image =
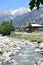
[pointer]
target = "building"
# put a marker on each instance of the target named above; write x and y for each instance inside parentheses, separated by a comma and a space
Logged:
(33, 28)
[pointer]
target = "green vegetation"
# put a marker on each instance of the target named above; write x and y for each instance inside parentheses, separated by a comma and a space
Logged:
(6, 28)
(35, 3)
(29, 25)
(26, 37)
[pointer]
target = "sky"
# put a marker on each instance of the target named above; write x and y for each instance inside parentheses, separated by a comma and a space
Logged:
(13, 4)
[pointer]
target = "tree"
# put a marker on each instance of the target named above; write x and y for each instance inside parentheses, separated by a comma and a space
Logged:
(6, 28)
(30, 26)
(35, 3)
(13, 28)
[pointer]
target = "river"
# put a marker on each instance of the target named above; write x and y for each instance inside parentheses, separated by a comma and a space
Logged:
(26, 56)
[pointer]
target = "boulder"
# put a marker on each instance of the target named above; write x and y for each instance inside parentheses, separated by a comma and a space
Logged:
(40, 62)
(37, 50)
(41, 46)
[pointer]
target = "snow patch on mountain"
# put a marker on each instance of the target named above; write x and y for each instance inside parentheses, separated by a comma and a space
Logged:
(20, 11)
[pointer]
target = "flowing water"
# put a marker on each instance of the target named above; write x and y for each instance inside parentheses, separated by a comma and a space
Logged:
(26, 56)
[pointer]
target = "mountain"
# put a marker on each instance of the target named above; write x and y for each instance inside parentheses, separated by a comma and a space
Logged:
(22, 15)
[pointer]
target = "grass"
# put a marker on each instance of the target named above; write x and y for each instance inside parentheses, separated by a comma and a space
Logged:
(26, 37)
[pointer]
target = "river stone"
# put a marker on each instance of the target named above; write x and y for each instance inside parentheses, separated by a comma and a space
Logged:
(41, 45)
(40, 62)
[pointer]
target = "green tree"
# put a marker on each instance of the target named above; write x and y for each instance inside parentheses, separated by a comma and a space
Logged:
(6, 28)
(13, 28)
(30, 27)
(35, 3)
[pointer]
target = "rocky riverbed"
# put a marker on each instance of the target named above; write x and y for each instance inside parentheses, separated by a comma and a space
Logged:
(19, 52)
(39, 49)
(10, 46)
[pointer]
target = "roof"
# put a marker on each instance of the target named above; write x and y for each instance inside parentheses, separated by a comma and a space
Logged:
(33, 25)
(36, 25)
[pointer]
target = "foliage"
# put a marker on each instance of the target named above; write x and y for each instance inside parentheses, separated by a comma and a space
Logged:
(30, 27)
(6, 28)
(35, 3)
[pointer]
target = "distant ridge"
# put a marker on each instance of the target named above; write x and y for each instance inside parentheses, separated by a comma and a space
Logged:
(22, 15)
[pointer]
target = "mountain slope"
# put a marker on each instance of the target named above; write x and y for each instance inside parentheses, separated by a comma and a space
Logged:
(22, 15)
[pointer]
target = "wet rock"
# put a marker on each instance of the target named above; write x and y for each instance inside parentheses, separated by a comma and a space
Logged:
(12, 60)
(35, 42)
(40, 62)
(41, 46)
(37, 50)
(1, 52)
